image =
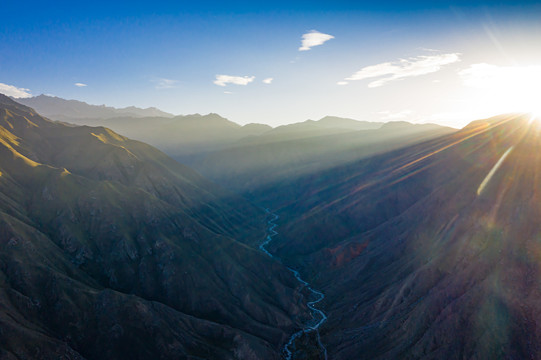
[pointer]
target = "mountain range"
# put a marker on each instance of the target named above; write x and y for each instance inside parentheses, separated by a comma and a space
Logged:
(254, 167)
(412, 241)
(244, 158)
(61, 109)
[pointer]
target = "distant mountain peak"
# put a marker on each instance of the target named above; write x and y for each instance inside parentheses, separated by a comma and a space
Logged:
(344, 123)
(208, 119)
(61, 109)
(8, 102)
(396, 124)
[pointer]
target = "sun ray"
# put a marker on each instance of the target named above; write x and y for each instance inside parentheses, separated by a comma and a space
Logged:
(493, 171)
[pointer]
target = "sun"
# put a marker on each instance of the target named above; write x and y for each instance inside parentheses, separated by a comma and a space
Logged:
(495, 89)
(535, 117)
(519, 94)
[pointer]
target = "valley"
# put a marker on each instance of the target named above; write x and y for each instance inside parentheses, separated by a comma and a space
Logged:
(318, 316)
(127, 244)
(380, 253)
(276, 180)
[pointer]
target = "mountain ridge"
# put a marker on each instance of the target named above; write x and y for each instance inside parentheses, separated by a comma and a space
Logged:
(63, 110)
(111, 249)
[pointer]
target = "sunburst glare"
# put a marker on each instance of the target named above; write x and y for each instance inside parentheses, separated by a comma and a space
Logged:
(503, 88)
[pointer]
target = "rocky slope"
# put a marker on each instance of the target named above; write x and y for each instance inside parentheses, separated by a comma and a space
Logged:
(110, 249)
(429, 252)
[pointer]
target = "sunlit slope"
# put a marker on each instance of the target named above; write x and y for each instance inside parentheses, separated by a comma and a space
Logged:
(100, 154)
(432, 251)
(179, 136)
(112, 250)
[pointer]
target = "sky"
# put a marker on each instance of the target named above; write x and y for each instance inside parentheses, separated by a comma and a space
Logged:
(280, 62)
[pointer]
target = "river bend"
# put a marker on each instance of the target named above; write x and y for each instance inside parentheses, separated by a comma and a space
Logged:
(318, 316)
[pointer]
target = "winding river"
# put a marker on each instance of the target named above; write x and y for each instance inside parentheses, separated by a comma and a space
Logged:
(318, 316)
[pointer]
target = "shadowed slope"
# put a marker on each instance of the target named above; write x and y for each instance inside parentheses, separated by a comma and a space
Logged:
(112, 250)
(430, 252)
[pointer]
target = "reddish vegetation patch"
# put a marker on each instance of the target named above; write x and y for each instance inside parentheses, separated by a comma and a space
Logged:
(344, 253)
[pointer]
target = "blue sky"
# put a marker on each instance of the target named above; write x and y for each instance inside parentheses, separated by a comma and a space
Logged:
(418, 61)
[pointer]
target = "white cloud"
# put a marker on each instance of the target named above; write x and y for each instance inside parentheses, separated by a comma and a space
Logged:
(228, 92)
(14, 91)
(404, 68)
(80, 84)
(223, 80)
(342, 83)
(162, 83)
(267, 80)
(487, 76)
(314, 38)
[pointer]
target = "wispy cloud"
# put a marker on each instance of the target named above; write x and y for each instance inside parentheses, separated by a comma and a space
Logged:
(14, 91)
(314, 38)
(429, 50)
(342, 83)
(267, 80)
(487, 76)
(404, 68)
(80, 84)
(223, 80)
(162, 83)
